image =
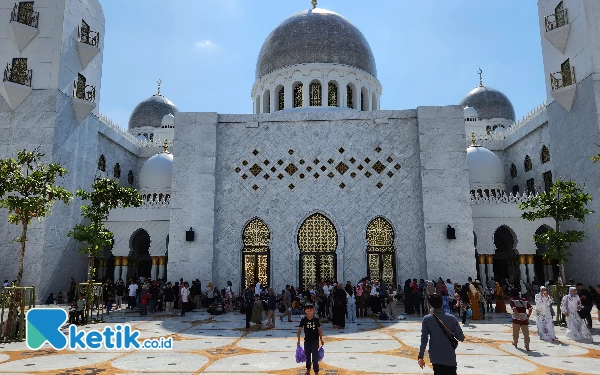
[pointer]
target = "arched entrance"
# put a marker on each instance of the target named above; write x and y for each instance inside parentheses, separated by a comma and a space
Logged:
(381, 258)
(506, 260)
(317, 241)
(255, 254)
(140, 254)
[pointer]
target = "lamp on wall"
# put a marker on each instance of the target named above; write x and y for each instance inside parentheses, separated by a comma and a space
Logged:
(450, 233)
(189, 235)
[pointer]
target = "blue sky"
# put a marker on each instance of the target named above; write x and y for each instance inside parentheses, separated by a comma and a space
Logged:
(427, 51)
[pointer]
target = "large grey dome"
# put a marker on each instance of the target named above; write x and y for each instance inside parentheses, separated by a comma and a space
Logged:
(489, 103)
(315, 36)
(151, 111)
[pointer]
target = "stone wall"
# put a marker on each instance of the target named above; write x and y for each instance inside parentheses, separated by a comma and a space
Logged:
(315, 144)
(445, 193)
(575, 137)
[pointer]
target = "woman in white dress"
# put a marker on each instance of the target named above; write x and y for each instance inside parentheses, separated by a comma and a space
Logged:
(576, 328)
(543, 310)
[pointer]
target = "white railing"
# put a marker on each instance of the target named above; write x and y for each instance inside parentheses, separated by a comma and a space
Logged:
(499, 199)
(114, 126)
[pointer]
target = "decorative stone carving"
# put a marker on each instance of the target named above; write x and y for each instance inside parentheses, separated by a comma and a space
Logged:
(565, 96)
(559, 37)
(14, 94)
(23, 34)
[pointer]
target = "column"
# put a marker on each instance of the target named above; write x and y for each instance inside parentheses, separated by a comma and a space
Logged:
(288, 91)
(530, 269)
(101, 268)
(305, 93)
(124, 268)
(154, 268)
(274, 99)
(482, 274)
(90, 266)
(342, 94)
(548, 269)
(162, 261)
(490, 265)
(117, 274)
(522, 268)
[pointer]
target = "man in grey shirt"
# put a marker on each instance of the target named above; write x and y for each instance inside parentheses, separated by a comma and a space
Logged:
(441, 352)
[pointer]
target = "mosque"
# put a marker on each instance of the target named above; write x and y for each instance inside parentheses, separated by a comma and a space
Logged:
(319, 182)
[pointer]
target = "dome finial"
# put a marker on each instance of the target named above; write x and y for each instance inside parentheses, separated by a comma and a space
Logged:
(159, 82)
(480, 72)
(166, 146)
(472, 139)
(314, 3)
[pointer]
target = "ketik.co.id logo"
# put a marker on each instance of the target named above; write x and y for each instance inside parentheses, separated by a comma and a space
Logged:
(43, 325)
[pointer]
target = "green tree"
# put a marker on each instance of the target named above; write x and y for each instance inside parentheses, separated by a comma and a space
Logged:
(565, 201)
(28, 191)
(105, 196)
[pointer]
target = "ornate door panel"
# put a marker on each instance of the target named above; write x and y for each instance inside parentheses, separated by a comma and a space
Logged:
(19, 73)
(317, 241)
(380, 251)
(255, 254)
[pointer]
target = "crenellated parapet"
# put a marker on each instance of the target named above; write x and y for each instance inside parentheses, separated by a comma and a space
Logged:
(500, 198)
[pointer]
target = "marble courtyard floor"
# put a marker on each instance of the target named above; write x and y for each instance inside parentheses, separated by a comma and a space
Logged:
(219, 346)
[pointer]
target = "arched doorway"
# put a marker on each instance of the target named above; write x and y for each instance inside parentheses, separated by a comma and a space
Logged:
(506, 260)
(381, 258)
(255, 254)
(317, 241)
(545, 269)
(140, 254)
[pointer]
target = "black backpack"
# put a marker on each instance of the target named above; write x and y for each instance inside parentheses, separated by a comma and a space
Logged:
(383, 316)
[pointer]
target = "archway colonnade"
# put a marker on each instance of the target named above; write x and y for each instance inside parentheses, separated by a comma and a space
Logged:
(508, 262)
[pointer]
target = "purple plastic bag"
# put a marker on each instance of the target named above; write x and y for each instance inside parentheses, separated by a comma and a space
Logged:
(321, 353)
(300, 355)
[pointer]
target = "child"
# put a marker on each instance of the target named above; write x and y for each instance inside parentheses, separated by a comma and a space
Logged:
(312, 334)
(489, 297)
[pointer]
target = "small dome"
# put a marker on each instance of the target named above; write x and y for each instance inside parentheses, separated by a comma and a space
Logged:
(157, 172)
(471, 112)
(315, 36)
(142, 138)
(168, 120)
(489, 103)
(485, 168)
(150, 112)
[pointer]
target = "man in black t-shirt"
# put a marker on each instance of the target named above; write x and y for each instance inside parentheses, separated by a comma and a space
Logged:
(312, 334)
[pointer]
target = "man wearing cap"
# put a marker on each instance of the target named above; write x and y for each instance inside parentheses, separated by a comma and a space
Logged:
(312, 335)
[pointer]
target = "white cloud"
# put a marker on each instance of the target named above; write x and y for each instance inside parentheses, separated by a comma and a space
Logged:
(207, 45)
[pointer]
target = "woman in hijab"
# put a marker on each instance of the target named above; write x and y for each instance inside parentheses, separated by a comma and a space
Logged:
(500, 304)
(339, 307)
(428, 291)
(474, 298)
(543, 320)
(570, 306)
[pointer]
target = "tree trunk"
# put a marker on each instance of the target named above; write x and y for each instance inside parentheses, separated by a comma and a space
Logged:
(22, 254)
(562, 272)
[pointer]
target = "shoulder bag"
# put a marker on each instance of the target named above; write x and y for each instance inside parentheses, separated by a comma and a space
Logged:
(447, 332)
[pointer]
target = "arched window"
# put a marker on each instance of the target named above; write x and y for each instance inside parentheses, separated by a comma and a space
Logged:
(374, 102)
(332, 95)
(380, 251)
(102, 163)
(317, 241)
(349, 101)
(117, 171)
(315, 94)
(298, 100)
(255, 254)
(364, 99)
(130, 177)
(513, 171)
(545, 154)
(528, 164)
(281, 103)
